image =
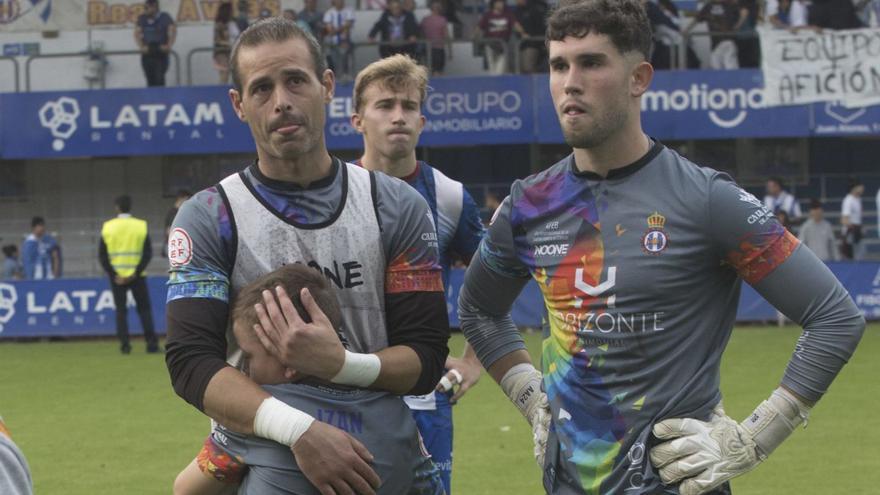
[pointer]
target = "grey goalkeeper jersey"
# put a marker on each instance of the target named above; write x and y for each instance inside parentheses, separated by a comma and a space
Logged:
(640, 274)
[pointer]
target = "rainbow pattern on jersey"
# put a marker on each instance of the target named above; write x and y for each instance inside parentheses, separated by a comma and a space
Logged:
(590, 426)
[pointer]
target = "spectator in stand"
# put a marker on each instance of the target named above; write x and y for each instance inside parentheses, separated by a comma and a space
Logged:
(435, 29)
(154, 34)
(41, 254)
(818, 235)
(495, 28)
(242, 20)
(225, 33)
(851, 221)
(313, 17)
(338, 21)
(397, 29)
(721, 17)
(532, 16)
(869, 12)
(748, 45)
(409, 6)
(12, 267)
(834, 14)
(778, 199)
(291, 15)
(789, 14)
(450, 11)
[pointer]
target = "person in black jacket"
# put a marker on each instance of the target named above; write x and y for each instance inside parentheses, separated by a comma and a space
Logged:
(532, 16)
(398, 31)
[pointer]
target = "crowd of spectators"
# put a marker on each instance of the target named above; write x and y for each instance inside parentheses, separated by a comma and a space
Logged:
(508, 34)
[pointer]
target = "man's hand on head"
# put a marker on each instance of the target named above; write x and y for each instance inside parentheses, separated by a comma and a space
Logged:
(310, 348)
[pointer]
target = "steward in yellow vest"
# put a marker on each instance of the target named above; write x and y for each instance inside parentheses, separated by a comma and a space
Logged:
(124, 253)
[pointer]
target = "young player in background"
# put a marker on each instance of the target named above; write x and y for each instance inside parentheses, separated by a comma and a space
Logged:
(388, 97)
(640, 254)
(228, 459)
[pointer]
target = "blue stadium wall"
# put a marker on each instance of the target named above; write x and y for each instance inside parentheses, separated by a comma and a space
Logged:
(84, 307)
(481, 111)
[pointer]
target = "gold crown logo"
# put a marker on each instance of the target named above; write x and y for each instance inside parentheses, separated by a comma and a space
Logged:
(656, 221)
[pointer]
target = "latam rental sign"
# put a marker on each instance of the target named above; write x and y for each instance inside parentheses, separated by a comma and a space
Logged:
(69, 307)
(122, 122)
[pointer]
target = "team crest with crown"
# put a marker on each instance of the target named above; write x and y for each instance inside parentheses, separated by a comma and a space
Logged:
(655, 239)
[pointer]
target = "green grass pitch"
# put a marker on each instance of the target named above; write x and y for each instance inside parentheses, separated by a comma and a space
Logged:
(92, 421)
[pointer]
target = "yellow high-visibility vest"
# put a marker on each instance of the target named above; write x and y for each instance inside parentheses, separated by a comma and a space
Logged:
(124, 237)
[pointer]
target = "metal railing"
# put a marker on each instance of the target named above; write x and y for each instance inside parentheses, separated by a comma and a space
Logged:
(189, 64)
(15, 69)
(27, 66)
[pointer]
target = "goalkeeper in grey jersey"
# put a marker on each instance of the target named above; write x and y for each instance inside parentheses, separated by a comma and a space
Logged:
(639, 255)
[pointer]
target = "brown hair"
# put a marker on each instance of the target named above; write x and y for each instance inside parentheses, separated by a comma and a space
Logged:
(293, 278)
(625, 22)
(274, 30)
(398, 72)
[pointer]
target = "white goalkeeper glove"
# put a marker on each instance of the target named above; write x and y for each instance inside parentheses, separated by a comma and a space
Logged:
(522, 384)
(706, 454)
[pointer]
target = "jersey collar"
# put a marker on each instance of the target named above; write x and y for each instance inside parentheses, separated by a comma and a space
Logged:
(619, 173)
(290, 186)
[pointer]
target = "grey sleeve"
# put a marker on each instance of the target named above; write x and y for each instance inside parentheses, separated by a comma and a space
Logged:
(484, 311)
(806, 291)
(15, 477)
(492, 282)
(408, 232)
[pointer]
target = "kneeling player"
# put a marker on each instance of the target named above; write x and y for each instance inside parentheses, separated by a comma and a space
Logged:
(270, 467)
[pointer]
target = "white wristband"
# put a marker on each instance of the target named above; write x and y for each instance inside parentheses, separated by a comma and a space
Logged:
(277, 421)
(359, 370)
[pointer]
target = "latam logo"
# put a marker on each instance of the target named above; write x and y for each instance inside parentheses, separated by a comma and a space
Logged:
(8, 298)
(727, 107)
(174, 120)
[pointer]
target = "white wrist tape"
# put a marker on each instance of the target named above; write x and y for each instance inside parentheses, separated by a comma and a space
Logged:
(359, 370)
(774, 420)
(277, 421)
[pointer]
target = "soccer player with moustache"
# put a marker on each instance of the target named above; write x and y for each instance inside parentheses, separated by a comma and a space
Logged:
(640, 254)
(388, 98)
(367, 234)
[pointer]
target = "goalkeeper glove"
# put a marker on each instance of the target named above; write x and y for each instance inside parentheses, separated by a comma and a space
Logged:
(522, 384)
(706, 454)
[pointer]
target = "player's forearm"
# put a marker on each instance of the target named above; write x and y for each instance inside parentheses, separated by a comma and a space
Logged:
(484, 312)
(832, 323)
(400, 369)
(232, 400)
(501, 366)
(418, 334)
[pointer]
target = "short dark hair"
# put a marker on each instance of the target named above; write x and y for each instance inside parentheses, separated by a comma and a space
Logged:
(815, 203)
(9, 250)
(123, 203)
(778, 180)
(293, 277)
(274, 30)
(854, 183)
(184, 193)
(625, 22)
(37, 221)
(151, 2)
